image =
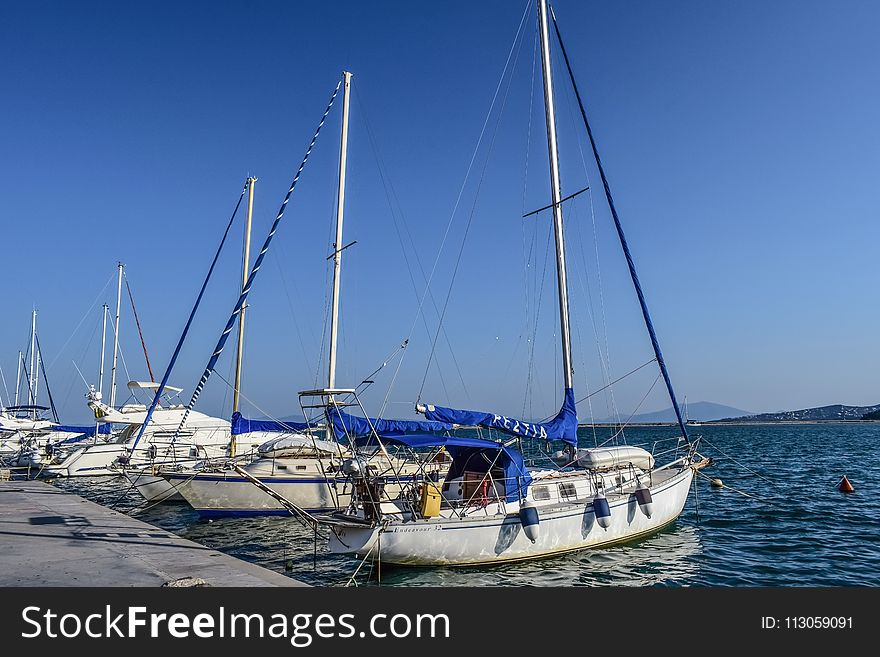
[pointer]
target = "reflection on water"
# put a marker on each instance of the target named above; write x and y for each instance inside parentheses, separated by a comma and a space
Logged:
(794, 529)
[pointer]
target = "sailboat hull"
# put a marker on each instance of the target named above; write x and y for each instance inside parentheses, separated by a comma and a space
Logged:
(230, 494)
(484, 539)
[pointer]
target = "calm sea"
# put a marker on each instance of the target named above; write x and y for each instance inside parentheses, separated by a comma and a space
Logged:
(779, 521)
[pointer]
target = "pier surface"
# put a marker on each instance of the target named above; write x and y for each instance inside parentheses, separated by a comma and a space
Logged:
(49, 537)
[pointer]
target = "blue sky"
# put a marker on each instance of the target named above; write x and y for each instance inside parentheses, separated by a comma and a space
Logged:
(741, 141)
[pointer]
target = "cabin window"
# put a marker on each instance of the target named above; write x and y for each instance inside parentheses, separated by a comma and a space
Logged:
(567, 491)
(540, 493)
(300, 467)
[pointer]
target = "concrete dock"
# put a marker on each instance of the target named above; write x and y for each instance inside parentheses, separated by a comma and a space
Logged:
(49, 537)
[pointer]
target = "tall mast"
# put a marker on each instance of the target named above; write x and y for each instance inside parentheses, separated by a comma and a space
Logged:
(32, 398)
(103, 349)
(116, 337)
(244, 277)
(555, 188)
(337, 246)
(18, 378)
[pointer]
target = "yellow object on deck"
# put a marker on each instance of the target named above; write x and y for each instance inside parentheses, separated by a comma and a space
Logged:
(430, 500)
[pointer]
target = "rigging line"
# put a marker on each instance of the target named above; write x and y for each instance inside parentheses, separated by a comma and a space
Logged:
(82, 359)
(82, 319)
(138, 323)
(46, 379)
(218, 349)
(290, 304)
(744, 467)
(122, 356)
(623, 426)
(623, 243)
(8, 399)
(604, 361)
(189, 321)
(256, 407)
(392, 198)
(470, 217)
(395, 352)
(540, 290)
(467, 176)
(735, 490)
(527, 255)
(390, 387)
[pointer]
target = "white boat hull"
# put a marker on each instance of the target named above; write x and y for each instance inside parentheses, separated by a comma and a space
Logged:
(491, 538)
(230, 494)
(153, 488)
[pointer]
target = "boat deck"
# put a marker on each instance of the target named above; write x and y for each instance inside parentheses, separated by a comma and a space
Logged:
(49, 537)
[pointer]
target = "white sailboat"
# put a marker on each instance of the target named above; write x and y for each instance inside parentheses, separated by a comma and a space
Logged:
(491, 508)
(203, 437)
(30, 434)
(293, 465)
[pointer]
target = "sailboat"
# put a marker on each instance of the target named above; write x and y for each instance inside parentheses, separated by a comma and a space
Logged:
(491, 507)
(295, 469)
(30, 434)
(687, 420)
(204, 437)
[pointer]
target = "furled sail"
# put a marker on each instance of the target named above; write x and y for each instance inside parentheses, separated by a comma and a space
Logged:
(242, 425)
(562, 427)
(345, 424)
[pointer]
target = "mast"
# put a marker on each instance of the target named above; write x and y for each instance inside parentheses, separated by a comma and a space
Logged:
(32, 398)
(18, 377)
(562, 282)
(244, 276)
(236, 391)
(103, 348)
(116, 337)
(337, 246)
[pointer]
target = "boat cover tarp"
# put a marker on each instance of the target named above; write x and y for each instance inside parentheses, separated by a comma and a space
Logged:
(80, 433)
(345, 424)
(103, 428)
(562, 427)
(463, 450)
(244, 425)
(278, 446)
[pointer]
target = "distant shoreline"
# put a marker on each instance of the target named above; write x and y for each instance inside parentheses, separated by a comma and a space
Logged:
(722, 423)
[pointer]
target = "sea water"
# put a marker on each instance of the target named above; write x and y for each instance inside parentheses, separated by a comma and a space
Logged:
(779, 520)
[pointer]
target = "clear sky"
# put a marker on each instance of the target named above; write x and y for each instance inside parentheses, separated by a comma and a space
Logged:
(741, 140)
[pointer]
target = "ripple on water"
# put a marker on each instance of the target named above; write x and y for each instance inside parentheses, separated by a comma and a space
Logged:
(796, 529)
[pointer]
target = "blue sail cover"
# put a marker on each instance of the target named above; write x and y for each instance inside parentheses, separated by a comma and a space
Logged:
(80, 433)
(345, 424)
(103, 428)
(242, 425)
(562, 427)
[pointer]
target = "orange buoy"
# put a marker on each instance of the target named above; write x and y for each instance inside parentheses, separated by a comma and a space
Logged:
(844, 486)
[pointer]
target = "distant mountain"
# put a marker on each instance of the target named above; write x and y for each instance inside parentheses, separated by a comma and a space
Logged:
(818, 414)
(874, 415)
(697, 411)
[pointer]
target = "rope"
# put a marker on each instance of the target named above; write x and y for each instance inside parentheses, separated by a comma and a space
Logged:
(46, 379)
(746, 468)
(394, 202)
(735, 490)
(256, 269)
(631, 415)
(192, 314)
(140, 333)
(623, 243)
(461, 192)
(82, 319)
